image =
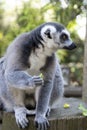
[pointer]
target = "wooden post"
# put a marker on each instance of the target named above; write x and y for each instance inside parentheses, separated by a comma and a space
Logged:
(59, 119)
(69, 123)
(84, 95)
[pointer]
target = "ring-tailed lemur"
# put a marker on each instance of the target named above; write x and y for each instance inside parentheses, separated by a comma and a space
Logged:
(30, 54)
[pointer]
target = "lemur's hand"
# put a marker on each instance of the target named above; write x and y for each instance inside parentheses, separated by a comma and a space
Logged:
(41, 123)
(38, 80)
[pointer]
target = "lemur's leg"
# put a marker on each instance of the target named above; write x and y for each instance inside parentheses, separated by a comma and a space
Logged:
(44, 94)
(13, 100)
(4, 94)
(58, 87)
(20, 110)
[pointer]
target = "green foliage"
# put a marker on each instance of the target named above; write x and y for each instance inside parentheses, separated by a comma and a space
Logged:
(83, 109)
(27, 18)
(65, 15)
(1, 15)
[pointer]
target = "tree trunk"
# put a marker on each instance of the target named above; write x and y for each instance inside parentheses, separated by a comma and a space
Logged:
(84, 94)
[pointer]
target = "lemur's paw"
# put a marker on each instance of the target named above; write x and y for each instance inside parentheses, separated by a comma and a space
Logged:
(21, 120)
(20, 115)
(41, 123)
(38, 80)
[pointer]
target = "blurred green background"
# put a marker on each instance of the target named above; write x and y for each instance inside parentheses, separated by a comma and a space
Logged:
(17, 16)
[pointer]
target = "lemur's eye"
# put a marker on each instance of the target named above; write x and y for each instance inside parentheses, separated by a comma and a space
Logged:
(64, 36)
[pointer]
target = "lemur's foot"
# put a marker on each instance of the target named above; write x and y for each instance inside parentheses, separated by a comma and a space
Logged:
(41, 123)
(20, 115)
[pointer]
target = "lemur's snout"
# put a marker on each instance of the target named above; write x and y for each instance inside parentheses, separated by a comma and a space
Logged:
(71, 47)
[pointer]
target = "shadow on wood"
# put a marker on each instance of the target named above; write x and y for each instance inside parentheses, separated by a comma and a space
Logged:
(60, 118)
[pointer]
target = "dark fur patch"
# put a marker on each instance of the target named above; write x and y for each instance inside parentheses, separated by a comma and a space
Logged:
(26, 51)
(32, 42)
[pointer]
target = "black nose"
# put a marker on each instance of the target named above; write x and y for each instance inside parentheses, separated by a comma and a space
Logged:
(71, 47)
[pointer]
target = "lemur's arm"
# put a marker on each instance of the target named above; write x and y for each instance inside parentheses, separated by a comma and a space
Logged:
(45, 93)
(21, 80)
(16, 64)
(15, 72)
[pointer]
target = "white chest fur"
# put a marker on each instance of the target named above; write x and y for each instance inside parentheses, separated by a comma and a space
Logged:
(37, 60)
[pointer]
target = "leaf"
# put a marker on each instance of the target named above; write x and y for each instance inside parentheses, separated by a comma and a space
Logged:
(83, 109)
(84, 113)
(41, 75)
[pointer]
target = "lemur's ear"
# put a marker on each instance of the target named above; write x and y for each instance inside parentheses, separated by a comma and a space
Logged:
(47, 33)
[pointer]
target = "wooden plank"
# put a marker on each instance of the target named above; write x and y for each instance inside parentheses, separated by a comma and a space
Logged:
(73, 92)
(53, 125)
(80, 123)
(64, 124)
(59, 124)
(70, 124)
(84, 124)
(75, 123)
(0, 126)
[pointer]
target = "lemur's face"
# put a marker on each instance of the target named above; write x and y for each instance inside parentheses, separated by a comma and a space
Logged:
(57, 37)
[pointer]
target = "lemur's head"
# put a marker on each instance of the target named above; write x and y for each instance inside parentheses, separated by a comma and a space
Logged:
(56, 36)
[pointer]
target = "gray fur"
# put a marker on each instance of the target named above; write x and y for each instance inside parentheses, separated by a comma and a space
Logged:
(27, 56)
